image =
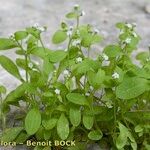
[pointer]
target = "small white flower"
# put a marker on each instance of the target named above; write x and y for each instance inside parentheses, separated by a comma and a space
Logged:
(128, 40)
(57, 91)
(109, 104)
(105, 57)
(76, 6)
(129, 25)
(42, 29)
(122, 31)
(11, 36)
(66, 73)
(91, 88)
(69, 32)
(134, 34)
(30, 65)
(76, 42)
(115, 75)
(36, 25)
(134, 24)
(87, 94)
(82, 13)
(79, 60)
(96, 31)
(71, 28)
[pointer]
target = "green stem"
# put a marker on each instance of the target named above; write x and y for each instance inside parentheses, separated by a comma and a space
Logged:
(115, 118)
(26, 61)
(77, 22)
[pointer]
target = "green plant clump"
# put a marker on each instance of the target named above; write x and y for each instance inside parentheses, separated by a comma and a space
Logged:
(70, 96)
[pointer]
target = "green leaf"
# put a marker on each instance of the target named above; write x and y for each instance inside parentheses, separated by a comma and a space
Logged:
(131, 88)
(2, 89)
(59, 37)
(10, 134)
(20, 35)
(96, 79)
(71, 15)
(112, 50)
(14, 95)
(63, 127)
(86, 66)
(95, 135)
(50, 123)
(33, 121)
(57, 56)
(48, 67)
(9, 66)
(122, 138)
(75, 116)
(6, 44)
(77, 98)
(88, 121)
(40, 52)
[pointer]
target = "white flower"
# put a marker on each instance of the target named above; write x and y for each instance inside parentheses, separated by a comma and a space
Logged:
(122, 31)
(115, 75)
(42, 29)
(76, 6)
(69, 32)
(30, 65)
(57, 91)
(36, 25)
(71, 28)
(96, 31)
(76, 42)
(129, 25)
(109, 104)
(91, 88)
(105, 57)
(128, 40)
(134, 34)
(82, 13)
(134, 24)
(66, 73)
(11, 36)
(87, 94)
(79, 60)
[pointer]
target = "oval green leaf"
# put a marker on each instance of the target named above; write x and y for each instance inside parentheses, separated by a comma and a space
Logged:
(77, 98)
(63, 127)
(131, 88)
(10, 134)
(75, 116)
(10, 66)
(33, 121)
(95, 135)
(6, 44)
(59, 37)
